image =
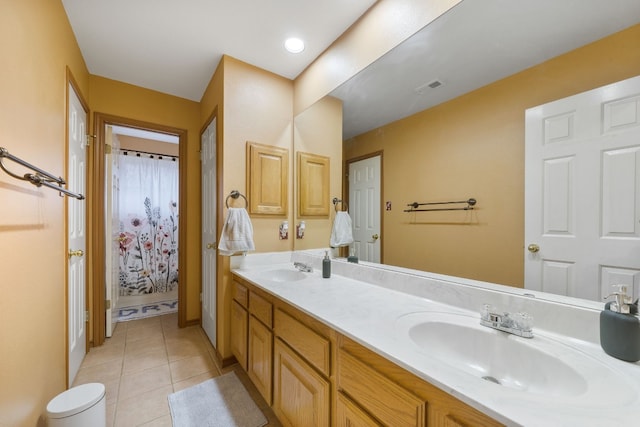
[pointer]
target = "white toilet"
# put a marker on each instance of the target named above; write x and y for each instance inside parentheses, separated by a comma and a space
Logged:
(79, 406)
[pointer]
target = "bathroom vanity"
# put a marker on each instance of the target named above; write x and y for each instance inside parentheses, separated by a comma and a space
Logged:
(373, 346)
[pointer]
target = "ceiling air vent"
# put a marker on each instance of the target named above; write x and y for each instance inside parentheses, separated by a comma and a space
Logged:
(431, 85)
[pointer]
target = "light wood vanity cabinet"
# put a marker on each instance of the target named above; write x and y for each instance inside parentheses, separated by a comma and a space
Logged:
(239, 330)
(348, 414)
(302, 364)
(239, 323)
(378, 395)
(251, 338)
(396, 397)
(260, 363)
(260, 344)
(313, 376)
(301, 396)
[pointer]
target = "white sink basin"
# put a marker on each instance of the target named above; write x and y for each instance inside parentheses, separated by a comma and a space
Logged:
(540, 367)
(283, 275)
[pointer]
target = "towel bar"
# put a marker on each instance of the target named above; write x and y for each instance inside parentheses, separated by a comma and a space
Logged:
(470, 204)
(40, 177)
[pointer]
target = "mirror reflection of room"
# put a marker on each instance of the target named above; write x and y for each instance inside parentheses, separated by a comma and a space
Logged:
(453, 128)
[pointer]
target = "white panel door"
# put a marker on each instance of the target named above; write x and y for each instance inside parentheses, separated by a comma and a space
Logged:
(582, 193)
(364, 201)
(76, 238)
(208, 154)
(112, 239)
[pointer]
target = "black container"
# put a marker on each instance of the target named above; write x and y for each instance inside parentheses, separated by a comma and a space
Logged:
(620, 334)
(326, 266)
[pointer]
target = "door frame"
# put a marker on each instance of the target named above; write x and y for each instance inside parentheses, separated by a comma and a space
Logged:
(345, 191)
(97, 218)
(71, 81)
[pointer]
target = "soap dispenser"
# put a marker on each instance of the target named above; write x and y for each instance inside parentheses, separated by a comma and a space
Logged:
(352, 256)
(326, 265)
(619, 328)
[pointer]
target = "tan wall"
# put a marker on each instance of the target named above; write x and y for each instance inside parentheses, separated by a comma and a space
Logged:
(318, 130)
(257, 107)
(473, 146)
(133, 102)
(37, 46)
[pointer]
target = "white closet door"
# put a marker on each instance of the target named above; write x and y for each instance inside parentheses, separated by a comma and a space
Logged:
(76, 238)
(209, 199)
(364, 209)
(582, 193)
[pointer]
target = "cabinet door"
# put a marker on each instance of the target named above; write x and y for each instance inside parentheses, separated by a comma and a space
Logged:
(260, 361)
(300, 395)
(349, 415)
(239, 326)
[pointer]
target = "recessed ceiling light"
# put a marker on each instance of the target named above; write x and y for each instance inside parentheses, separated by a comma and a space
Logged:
(294, 45)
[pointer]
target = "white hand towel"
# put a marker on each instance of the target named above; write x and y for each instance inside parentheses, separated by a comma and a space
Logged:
(237, 233)
(341, 233)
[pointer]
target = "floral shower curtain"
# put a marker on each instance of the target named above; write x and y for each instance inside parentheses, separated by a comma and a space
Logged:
(148, 217)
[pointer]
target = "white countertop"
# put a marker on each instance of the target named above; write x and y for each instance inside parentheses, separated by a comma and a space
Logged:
(369, 315)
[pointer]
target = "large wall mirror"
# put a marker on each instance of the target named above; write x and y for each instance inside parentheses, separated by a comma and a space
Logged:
(446, 108)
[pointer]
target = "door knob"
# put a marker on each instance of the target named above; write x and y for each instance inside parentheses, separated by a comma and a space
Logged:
(533, 248)
(210, 245)
(79, 252)
(375, 237)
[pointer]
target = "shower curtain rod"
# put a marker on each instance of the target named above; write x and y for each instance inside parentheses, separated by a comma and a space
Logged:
(40, 178)
(138, 152)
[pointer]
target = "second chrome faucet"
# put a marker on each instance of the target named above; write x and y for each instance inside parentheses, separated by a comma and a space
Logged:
(303, 267)
(519, 324)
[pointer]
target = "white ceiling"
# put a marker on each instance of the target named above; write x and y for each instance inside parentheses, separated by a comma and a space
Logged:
(474, 44)
(174, 46)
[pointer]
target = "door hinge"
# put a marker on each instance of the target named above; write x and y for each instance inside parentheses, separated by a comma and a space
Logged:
(86, 316)
(200, 296)
(89, 138)
(107, 304)
(107, 149)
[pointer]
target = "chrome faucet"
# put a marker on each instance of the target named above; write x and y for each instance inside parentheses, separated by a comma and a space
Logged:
(519, 324)
(303, 267)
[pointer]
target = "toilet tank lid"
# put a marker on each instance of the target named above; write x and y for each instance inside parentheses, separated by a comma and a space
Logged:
(75, 400)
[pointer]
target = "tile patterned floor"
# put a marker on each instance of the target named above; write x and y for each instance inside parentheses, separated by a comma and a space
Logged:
(148, 359)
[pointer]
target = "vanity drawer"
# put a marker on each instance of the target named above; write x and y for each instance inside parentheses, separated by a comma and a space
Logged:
(261, 309)
(240, 293)
(348, 414)
(378, 395)
(309, 344)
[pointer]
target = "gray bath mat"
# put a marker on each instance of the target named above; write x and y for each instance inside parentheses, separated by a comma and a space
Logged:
(219, 402)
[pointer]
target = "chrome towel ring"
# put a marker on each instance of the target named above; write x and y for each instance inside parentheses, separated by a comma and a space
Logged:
(344, 204)
(234, 195)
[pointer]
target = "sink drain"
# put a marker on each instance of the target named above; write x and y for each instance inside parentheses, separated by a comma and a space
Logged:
(491, 379)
